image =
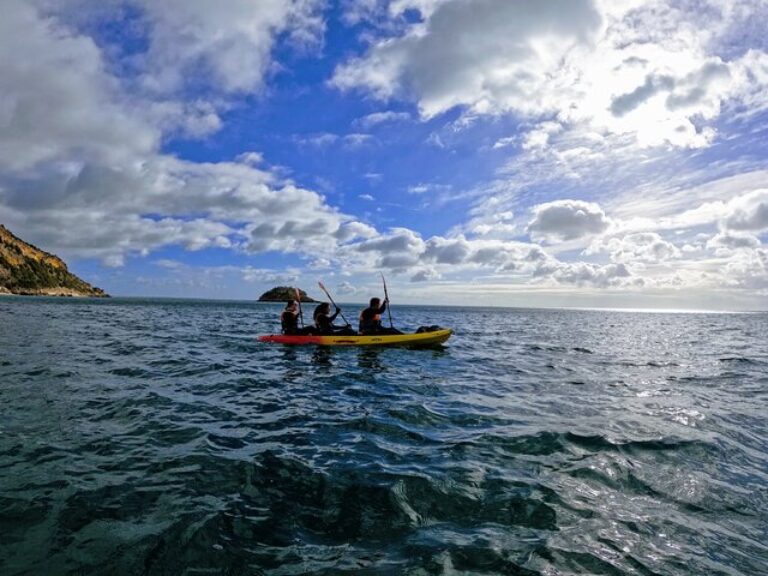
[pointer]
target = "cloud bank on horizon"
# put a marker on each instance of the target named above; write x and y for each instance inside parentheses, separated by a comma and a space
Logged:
(510, 151)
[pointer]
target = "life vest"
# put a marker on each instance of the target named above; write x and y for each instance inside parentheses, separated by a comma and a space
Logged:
(371, 323)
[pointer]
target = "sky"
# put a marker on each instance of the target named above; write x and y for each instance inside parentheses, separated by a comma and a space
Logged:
(586, 153)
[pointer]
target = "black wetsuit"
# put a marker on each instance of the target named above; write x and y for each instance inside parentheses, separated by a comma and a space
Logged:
(324, 326)
(370, 321)
(290, 324)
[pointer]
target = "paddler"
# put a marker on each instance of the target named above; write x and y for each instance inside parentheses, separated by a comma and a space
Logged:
(324, 322)
(289, 320)
(370, 318)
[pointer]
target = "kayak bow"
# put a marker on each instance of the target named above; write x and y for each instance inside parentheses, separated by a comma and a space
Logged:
(418, 339)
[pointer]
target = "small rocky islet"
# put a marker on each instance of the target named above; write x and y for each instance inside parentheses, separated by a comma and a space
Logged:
(283, 294)
(26, 270)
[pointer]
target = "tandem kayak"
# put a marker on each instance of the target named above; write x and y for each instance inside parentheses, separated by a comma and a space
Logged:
(419, 339)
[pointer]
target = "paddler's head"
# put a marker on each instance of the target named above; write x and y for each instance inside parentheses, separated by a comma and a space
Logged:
(375, 303)
(291, 305)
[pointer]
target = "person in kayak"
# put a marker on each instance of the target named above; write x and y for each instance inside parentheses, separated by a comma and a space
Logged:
(370, 319)
(324, 322)
(289, 320)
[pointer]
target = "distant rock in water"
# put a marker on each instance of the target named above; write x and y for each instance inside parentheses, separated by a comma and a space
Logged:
(283, 294)
(27, 270)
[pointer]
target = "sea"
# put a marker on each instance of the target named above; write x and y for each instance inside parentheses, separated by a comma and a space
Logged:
(159, 437)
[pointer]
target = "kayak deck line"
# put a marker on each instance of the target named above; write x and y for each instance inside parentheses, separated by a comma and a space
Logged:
(418, 339)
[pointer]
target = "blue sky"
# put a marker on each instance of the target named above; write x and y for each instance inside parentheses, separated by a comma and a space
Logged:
(510, 152)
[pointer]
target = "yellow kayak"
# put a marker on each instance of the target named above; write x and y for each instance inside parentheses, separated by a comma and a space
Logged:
(419, 339)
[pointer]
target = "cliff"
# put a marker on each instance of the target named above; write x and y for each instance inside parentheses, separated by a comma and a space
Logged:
(25, 269)
(283, 294)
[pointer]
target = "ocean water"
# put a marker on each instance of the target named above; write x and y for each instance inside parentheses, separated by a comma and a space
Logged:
(158, 437)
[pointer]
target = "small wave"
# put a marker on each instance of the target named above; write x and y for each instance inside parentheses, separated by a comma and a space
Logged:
(226, 442)
(741, 360)
(656, 364)
(131, 372)
(601, 443)
(541, 444)
(544, 348)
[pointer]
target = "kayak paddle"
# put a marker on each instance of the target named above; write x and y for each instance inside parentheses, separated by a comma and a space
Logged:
(386, 297)
(298, 299)
(332, 302)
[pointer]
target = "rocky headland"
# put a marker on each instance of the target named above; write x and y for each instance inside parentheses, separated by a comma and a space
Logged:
(27, 270)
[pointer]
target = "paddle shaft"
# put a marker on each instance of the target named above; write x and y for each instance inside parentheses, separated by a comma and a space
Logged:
(298, 299)
(386, 297)
(332, 302)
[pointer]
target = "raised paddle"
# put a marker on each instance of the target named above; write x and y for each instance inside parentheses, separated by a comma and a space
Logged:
(332, 302)
(298, 299)
(386, 297)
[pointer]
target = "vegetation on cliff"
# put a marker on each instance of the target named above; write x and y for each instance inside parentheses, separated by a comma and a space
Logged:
(25, 269)
(283, 294)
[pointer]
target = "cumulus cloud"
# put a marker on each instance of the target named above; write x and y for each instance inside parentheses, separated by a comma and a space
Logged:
(445, 251)
(480, 54)
(433, 258)
(556, 58)
(725, 242)
(639, 247)
(586, 274)
(748, 212)
(425, 275)
(353, 230)
(399, 241)
(57, 100)
(82, 170)
(747, 269)
(231, 42)
(567, 220)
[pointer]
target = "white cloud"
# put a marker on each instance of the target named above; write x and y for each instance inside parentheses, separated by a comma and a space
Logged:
(263, 276)
(346, 288)
(377, 118)
(445, 251)
(557, 58)
(425, 275)
(585, 274)
(748, 212)
(319, 140)
(353, 230)
(747, 269)
(639, 247)
(56, 100)
(729, 241)
(567, 220)
(82, 172)
(432, 189)
(231, 42)
(355, 140)
(401, 241)
(479, 54)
